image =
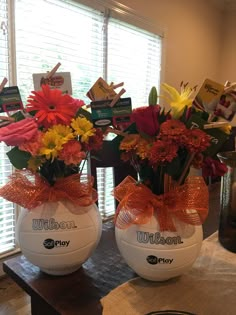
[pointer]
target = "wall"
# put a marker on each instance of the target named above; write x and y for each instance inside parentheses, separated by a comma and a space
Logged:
(228, 44)
(193, 30)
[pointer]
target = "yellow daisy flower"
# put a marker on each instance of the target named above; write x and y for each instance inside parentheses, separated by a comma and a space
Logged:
(63, 131)
(51, 144)
(178, 101)
(83, 127)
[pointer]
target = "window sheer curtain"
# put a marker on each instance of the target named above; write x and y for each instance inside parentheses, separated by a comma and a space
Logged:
(89, 42)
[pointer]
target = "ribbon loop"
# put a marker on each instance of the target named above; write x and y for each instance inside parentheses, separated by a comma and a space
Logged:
(188, 203)
(30, 190)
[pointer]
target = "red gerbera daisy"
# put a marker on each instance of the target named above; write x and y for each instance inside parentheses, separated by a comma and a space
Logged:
(52, 107)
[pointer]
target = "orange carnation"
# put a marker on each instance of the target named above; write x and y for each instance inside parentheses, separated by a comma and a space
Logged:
(71, 153)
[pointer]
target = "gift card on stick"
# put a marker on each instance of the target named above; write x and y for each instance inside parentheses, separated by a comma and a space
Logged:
(10, 99)
(101, 91)
(60, 80)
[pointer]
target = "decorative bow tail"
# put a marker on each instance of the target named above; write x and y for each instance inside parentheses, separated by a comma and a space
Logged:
(137, 204)
(30, 190)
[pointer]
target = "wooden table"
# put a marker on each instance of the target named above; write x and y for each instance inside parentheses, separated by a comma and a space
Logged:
(80, 292)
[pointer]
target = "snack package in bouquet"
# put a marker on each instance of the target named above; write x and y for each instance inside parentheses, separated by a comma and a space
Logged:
(208, 96)
(105, 115)
(10, 100)
(217, 112)
(226, 108)
(218, 100)
(10, 103)
(59, 80)
(107, 106)
(101, 91)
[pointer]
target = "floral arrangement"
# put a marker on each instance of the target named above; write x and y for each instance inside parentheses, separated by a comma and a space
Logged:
(51, 140)
(162, 145)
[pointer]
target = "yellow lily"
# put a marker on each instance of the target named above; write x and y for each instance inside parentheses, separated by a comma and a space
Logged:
(178, 101)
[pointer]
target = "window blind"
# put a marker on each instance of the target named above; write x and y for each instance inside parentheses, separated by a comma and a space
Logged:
(105, 185)
(4, 61)
(52, 31)
(89, 43)
(134, 56)
(7, 209)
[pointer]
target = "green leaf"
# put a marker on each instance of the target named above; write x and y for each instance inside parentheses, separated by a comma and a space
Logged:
(19, 159)
(174, 168)
(205, 116)
(18, 116)
(162, 116)
(178, 164)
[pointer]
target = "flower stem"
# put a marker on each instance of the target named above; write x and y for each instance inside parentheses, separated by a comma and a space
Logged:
(186, 168)
(86, 158)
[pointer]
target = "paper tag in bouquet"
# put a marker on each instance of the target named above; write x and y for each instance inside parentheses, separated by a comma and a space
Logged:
(59, 80)
(218, 137)
(208, 96)
(226, 108)
(10, 100)
(105, 115)
(101, 90)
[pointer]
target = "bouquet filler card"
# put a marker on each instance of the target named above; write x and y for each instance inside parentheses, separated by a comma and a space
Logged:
(60, 80)
(104, 115)
(10, 100)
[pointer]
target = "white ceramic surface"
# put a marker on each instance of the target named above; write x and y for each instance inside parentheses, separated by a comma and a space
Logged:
(59, 237)
(156, 255)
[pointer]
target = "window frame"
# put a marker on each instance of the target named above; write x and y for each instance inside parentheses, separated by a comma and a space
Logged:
(110, 8)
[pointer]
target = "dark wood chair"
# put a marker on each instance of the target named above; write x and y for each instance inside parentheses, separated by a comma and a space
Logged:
(109, 156)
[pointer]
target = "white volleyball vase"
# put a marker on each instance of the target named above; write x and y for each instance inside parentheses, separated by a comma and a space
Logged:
(59, 237)
(156, 255)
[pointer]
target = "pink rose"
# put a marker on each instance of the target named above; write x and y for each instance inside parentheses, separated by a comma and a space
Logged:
(18, 132)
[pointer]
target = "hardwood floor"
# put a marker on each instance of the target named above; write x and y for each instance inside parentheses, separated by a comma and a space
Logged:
(13, 300)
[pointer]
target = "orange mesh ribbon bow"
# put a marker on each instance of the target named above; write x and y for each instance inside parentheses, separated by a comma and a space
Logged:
(137, 204)
(30, 191)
